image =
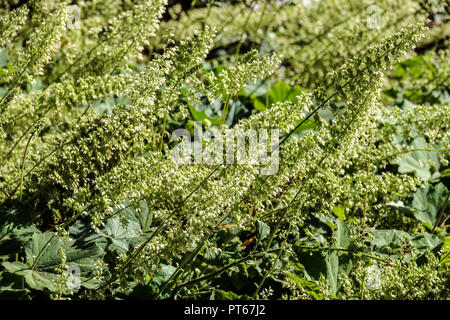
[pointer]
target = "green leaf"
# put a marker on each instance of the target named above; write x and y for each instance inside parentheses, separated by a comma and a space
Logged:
(342, 236)
(50, 257)
(14, 294)
(279, 92)
(15, 230)
(417, 67)
(206, 112)
(324, 263)
(445, 173)
(339, 212)
(414, 162)
(309, 124)
(236, 110)
(118, 234)
(10, 68)
(427, 203)
(107, 104)
(332, 267)
(122, 230)
(163, 275)
(263, 230)
(224, 295)
(426, 241)
(343, 240)
(35, 279)
(310, 286)
(256, 89)
(258, 105)
(11, 287)
(43, 254)
(220, 258)
(296, 91)
(383, 238)
(3, 58)
(394, 239)
(144, 215)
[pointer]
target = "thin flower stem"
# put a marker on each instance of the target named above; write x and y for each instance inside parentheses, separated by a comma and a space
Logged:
(244, 27)
(23, 165)
(163, 132)
(269, 272)
(441, 212)
(225, 268)
(225, 111)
